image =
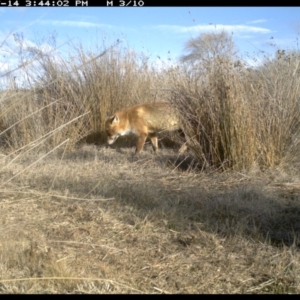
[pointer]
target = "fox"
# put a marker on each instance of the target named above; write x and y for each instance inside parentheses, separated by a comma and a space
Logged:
(143, 120)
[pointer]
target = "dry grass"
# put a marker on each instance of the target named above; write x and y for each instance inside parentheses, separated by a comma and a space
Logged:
(92, 84)
(235, 117)
(96, 220)
(85, 222)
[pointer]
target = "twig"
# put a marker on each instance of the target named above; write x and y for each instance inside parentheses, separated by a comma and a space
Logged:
(70, 278)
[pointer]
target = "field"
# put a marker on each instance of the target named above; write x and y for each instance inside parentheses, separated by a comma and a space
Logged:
(146, 226)
(79, 217)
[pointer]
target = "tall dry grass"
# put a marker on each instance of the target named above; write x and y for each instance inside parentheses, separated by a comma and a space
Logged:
(216, 118)
(236, 117)
(74, 94)
(233, 117)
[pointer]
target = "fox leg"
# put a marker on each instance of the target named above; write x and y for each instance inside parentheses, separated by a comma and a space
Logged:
(140, 143)
(153, 139)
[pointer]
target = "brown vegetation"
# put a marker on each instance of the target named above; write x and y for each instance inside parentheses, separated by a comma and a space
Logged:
(222, 218)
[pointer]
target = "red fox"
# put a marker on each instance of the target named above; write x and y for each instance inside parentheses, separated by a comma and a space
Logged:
(143, 120)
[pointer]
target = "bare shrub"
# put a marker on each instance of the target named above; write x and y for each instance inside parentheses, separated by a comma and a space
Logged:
(236, 117)
(215, 114)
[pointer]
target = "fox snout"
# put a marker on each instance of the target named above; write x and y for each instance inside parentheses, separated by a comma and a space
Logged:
(111, 139)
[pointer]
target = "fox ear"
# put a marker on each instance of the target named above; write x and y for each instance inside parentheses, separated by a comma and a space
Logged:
(115, 119)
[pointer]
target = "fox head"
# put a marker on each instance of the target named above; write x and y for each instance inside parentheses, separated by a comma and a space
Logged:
(111, 128)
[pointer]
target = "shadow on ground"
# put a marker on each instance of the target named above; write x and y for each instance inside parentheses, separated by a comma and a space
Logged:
(221, 203)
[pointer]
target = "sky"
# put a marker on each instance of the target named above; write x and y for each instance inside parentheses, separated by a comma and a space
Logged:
(156, 31)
